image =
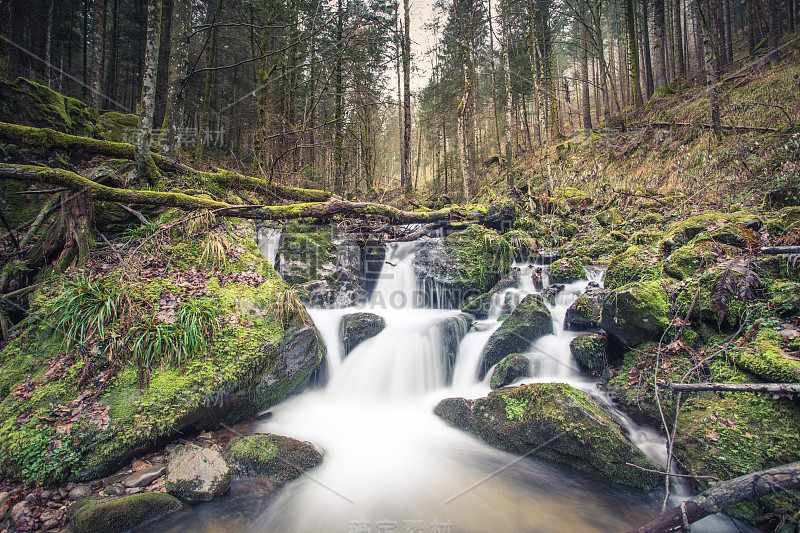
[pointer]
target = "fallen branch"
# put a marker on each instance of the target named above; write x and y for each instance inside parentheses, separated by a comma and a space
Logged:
(733, 387)
(776, 250)
(723, 494)
(319, 210)
(709, 126)
(659, 472)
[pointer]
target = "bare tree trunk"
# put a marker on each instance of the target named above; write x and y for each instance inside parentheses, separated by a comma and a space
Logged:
(633, 55)
(774, 32)
(498, 149)
(178, 60)
(463, 134)
(98, 41)
(648, 62)
(509, 94)
(400, 46)
(406, 97)
(145, 168)
(586, 105)
(710, 69)
(678, 40)
(202, 125)
(534, 52)
(726, 6)
(48, 41)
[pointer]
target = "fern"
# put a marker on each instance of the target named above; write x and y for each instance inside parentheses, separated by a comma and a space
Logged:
(738, 279)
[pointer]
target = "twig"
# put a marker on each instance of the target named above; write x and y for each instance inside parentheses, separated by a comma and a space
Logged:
(48, 191)
(135, 213)
(672, 475)
(116, 252)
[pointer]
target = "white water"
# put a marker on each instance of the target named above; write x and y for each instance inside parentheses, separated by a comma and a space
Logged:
(268, 242)
(391, 465)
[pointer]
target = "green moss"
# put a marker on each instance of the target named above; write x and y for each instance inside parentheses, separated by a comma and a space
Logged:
(573, 196)
(512, 367)
(118, 515)
(681, 233)
(609, 217)
(767, 359)
(634, 264)
(481, 255)
(688, 260)
(784, 297)
(273, 457)
(645, 237)
(117, 127)
(566, 270)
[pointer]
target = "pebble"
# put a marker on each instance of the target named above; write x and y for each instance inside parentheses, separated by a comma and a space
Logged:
(19, 512)
(78, 492)
(50, 524)
(145, 476)
(30, 498)
(45, 494)
(135, 490)
(63, 492)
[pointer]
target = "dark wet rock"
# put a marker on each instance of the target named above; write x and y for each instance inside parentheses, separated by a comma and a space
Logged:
(590, 350)
(119, 514)
(273, 457)
(530, 320)
(197, 474)
(479, 306)
(636, 313)
(78, 492)
(584, 312)
(355, 328)
(548, 256)
(457, 412)
(562, 424)
(551, 292)
(145, 476)
(511, 368)
(452, 330)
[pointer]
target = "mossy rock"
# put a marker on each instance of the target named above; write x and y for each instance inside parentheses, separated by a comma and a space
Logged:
(355, 328)
(530, 320)
(633, 265)
(609, 217)
(557, 422)
(456, 412)
(273, 457)
(118, 127)
(28, 103)
(584, 312)
(575, 197)
(603, 247)
(682, 232)
(645, 237)
(463, 265)
(197, 474)
(699, 287)
(251, 362)
(766, 358)
(650, 219)
(784, 297)
(636, 313)
(688, 260)
(511, 368)
(479, 306)
(590, 351)
(566, 270)
(120, 514)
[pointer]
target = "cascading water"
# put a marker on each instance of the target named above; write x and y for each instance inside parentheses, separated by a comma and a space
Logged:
(391, 465)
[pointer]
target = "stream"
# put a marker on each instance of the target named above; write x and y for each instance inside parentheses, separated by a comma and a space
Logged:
(392, 465)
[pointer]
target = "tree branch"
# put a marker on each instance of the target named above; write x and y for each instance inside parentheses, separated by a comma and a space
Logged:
(733, 387)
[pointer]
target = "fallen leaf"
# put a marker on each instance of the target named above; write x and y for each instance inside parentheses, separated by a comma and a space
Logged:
(713, 435)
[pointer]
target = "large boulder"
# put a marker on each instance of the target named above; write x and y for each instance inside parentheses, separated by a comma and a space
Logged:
(680, 233)
(452, 330)
(331, 260)
(511, 368)
(119, 514)
(245, 357)
(197, 474)
(636, 313)
(590, 351)
(461, 266)
(530, 320)
(584, 312)
(566, 270)
(634, 264)
(273, 457)
(355, 328)
(556, 422)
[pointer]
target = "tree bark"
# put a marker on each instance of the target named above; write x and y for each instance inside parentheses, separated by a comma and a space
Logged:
(48, 44)
(178, 61)
(710, 68)
(98, 41)
(509, 94)
(202, 125)
(678, 30)
(660, 65)
(145, 168)
(633, 55)
(406, 97)
(648, 61)
(734, 387)
(586, 105)
(723, 494)
(774, 32)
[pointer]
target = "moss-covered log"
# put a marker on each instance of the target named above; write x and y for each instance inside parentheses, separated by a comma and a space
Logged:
(723, 494)
(320, 210)
(51, 139)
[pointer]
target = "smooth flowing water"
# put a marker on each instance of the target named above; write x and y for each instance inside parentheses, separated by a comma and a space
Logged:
(391, 465)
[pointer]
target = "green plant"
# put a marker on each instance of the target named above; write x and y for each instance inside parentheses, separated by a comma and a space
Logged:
(7, 150)
(46, 462)
(515, 408)
(85, 307)
(287, 305)
(142, 231)
(215, 250)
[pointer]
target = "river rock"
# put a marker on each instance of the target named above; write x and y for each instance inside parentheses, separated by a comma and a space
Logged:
(20, 514)
(452, 330)
(584, 312)
(273, 457)
(566, 270)
(529, 321)
(145, 476)
(636, 313)
(557, 422)
(479, 306)
(78, 492)
(457, 412)
(590, 352)
(511, 368)
(197, 474)
(358, 327)
(120, 513)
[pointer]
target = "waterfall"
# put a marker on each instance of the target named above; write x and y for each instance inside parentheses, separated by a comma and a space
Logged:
(391, 465)
(268, 242)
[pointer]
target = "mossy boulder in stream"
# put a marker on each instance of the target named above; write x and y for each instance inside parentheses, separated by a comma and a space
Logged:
(355, 328)
(461, 266)
(590, 350)
(273, 457)
(634, 264)
(511, 368)
(197, 474)
(555, 422)
(530, 320)
(566, 270)
(111, 514)
(584, 312)
(636, 313)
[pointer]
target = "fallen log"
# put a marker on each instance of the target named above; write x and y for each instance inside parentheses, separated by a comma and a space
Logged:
(734, 387)
(723, 494)
(709, 126)
(776, 250)
(51, 139)
(319, 210)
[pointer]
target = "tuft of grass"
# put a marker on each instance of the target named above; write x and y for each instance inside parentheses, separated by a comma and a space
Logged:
(201, 222)
(287, 305)
(86, 307)
(215, 250)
